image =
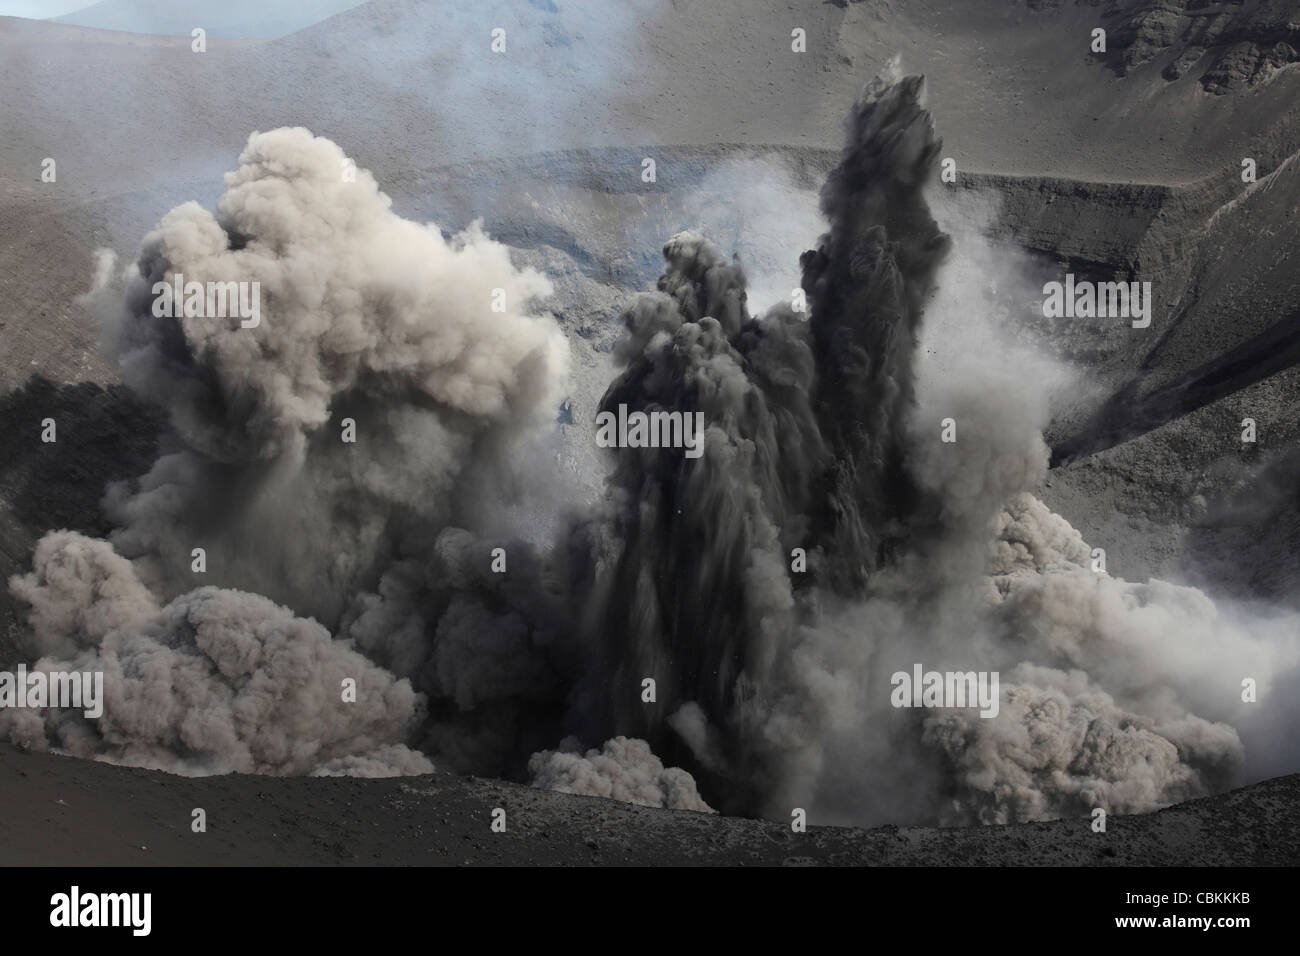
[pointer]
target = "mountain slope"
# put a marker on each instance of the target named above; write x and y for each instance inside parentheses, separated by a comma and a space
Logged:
(250, 19)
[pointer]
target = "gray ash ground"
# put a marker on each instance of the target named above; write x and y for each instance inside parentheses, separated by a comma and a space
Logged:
(60, 811)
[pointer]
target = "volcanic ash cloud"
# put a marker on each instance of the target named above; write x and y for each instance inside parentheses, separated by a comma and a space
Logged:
(427, 344)
(367, 316)
(826, 538)
(215, 681)
(829, 538)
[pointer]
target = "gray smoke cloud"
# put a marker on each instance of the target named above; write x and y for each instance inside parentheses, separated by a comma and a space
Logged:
(825, 435)
(622, 769)
(427, 344)
(367, 316)
(763, 213)
(827, 538)
(215, 681)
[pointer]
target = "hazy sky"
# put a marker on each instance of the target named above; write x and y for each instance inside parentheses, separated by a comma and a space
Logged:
(153, 15)
(40, 9)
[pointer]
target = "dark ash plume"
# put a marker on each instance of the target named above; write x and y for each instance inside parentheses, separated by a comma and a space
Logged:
(691, 580)
(772, 682)
(867, 283)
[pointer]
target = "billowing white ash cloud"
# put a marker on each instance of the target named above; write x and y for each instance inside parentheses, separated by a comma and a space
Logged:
(366, 316)
(429, 347)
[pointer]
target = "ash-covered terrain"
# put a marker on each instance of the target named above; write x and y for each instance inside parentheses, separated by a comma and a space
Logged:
(69, 813)
(524, 172)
